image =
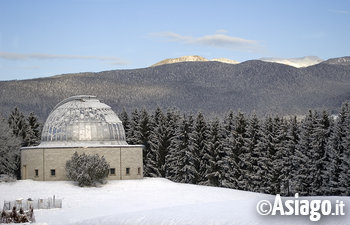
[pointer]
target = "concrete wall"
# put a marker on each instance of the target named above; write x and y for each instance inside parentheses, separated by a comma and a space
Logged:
(45, 159)
(129, 158)
(32, 159)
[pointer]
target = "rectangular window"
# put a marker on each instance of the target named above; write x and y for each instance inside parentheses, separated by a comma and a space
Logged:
(112, 171)
(139, 170)
(127, 171)
(36, 171)
(53, 172)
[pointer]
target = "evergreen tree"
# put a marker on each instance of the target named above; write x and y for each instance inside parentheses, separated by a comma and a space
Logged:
(143, 136)
(250, 155)
(156, 141)
(199, 139)
(334, 152)
(124, 117)
(216, 157)
(288, 164)
(171, 158)
(344, 167)
(303, 159)
(264, 149)
(318, 155)
(132, 134)
(229, 122)
(282, 158)
(162, 134)
(220, 170)
(230, 144)
(279, 138)
(186, 171)
(239, 136)
(9, 150)
(33, 131)
(19, 126)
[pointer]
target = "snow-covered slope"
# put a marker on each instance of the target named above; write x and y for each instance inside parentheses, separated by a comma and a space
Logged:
(193, 58)
(149, 201)
(345, 61)
(296, 62)
(224, 60)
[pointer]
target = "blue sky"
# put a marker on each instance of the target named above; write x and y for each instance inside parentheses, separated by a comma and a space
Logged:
(44, 38)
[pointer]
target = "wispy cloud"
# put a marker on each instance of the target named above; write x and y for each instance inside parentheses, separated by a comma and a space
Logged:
(219, 40)
(27, 56)
(339, 11)
(222, 31)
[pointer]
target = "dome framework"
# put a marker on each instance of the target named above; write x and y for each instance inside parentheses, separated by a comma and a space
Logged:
(82, 120)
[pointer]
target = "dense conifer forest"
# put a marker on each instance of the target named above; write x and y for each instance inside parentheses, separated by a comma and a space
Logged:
(270, 155)
(241, 151)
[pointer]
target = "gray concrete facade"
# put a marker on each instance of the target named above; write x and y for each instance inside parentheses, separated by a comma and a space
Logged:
(43, 160)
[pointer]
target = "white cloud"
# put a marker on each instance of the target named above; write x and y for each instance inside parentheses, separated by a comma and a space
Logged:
(221, 31)
(27, 56)
(339, 11)
(215, 40)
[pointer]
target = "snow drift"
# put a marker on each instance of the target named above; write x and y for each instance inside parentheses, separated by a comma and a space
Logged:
(151, 201)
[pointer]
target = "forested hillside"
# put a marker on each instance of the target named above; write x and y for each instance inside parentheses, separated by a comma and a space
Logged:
(210, 87)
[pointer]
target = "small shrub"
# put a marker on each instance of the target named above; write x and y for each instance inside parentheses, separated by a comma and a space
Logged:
(7, 178)
(87, 170)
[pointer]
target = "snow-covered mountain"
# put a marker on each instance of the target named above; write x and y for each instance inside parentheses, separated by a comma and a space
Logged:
(295, 62)
(224, 60)
(345, 61)
(193, 58)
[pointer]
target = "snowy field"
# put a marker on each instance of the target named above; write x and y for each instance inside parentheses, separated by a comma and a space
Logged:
(151, 201)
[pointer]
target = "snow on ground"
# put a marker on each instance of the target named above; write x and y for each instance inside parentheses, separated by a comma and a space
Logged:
(151, 201)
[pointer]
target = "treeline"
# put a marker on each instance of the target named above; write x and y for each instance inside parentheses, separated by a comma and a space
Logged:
(273, 155)
(16, 131)
(270, 155)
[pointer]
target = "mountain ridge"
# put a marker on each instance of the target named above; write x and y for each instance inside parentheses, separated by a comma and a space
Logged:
(210, 87)
(193, 58)
(296, 62)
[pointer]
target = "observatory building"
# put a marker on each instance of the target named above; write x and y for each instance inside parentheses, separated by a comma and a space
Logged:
(81, 124)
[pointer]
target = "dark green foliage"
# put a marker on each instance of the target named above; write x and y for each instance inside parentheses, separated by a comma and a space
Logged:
(273, 155)
(9, 150)
(87, 170)
(33, 131)
(27, 129)
(19, 126)
(124, 117)
(199, 140)
(181, 156)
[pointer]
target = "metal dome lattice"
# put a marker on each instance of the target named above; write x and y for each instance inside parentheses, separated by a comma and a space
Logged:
(82, 120)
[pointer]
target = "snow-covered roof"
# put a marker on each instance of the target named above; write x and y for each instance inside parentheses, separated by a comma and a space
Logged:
(82, 121)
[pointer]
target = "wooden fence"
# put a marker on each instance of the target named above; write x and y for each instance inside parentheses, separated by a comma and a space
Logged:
(40, 203)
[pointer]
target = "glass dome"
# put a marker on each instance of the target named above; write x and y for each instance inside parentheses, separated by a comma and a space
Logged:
(82, 121)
